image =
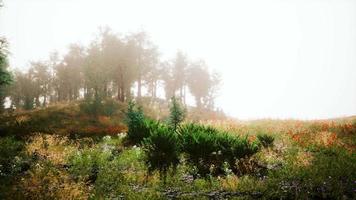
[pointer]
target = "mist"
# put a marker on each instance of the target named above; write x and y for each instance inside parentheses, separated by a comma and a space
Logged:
(277, 59)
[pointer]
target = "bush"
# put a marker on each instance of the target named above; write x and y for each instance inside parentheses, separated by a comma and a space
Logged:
(138, 125)
(209, 150)
(46, 181)
(97, 106)
(110, 107)
(92, 107)
(331, 175)
(10, 150)
(161, 149)
(265, 140)
(85, 165)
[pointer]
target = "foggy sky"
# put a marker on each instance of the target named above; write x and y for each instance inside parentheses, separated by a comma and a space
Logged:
(278, 58)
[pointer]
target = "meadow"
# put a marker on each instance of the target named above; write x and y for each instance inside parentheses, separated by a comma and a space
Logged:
(61, 152)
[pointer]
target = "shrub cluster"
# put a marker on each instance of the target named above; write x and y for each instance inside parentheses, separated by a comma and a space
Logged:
(210, 150)
(207, 149)
(98, 106)
(162, 149)
(85, 164)
(11, 156)
(138, 125)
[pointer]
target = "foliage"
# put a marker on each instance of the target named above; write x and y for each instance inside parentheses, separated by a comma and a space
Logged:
(46, 181)
(85, 165)
(97, 106)
(109, 67)
(5, 76)
(265, 140)
(138, 125)
(309, 160)
(209, 149)
(202, 84)
(10, 155)
(177, 113)
(331, 175)
(162, 149)
(92, 107)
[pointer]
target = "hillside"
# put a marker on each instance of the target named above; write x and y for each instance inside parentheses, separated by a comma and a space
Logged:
(61, 153)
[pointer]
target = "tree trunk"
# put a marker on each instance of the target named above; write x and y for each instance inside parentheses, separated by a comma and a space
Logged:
(184, 94)
(44, 101)
(38, 104)
(198, 102)
(139, 85)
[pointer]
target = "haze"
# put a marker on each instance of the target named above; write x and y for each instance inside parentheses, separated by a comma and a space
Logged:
(278, 59)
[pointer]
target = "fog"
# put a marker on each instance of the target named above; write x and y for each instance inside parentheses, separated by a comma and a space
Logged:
(277, 58)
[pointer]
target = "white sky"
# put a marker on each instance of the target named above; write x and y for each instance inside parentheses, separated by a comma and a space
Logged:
(278, 58)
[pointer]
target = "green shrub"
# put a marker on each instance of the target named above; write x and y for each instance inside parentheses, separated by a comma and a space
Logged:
(110, 107)
(92, 107)
(177, 113)
(201, 148)
(265, 140)
(117, 175)
(331, 175)
(85, 165)
(98, 106)
(162, 149)
(138, 125)
(209, 150)
(109, 179)
(10, 155)
(234, 148)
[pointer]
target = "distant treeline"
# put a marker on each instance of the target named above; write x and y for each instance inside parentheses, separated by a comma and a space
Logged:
(112, 66)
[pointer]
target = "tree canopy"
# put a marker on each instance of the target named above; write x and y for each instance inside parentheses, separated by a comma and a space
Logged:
(115, 66)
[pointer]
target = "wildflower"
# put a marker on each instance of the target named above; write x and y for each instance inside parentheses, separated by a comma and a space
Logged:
(107, 138)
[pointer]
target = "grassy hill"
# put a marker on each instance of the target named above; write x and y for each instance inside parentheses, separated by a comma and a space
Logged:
(61, 152)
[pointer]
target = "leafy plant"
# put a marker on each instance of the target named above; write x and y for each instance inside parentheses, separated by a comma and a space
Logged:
(161, 149)
(91, 106)
(85, 165)
(138, 125)
(325, 178)
(109, 107)
(10, 149)
(265, 140)
(99, 106)
(209, 150)
(177, 113)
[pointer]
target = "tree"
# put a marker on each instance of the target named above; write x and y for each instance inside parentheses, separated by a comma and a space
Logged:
(215, 81)
(202, 84)
(41, 76)
(114, 52)
(179, 74)
(153, 79)
(168, 82)
(110, 66)
(23, 91)
(73, 62)
(145, 57)
(94, 74)
(5, 76)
